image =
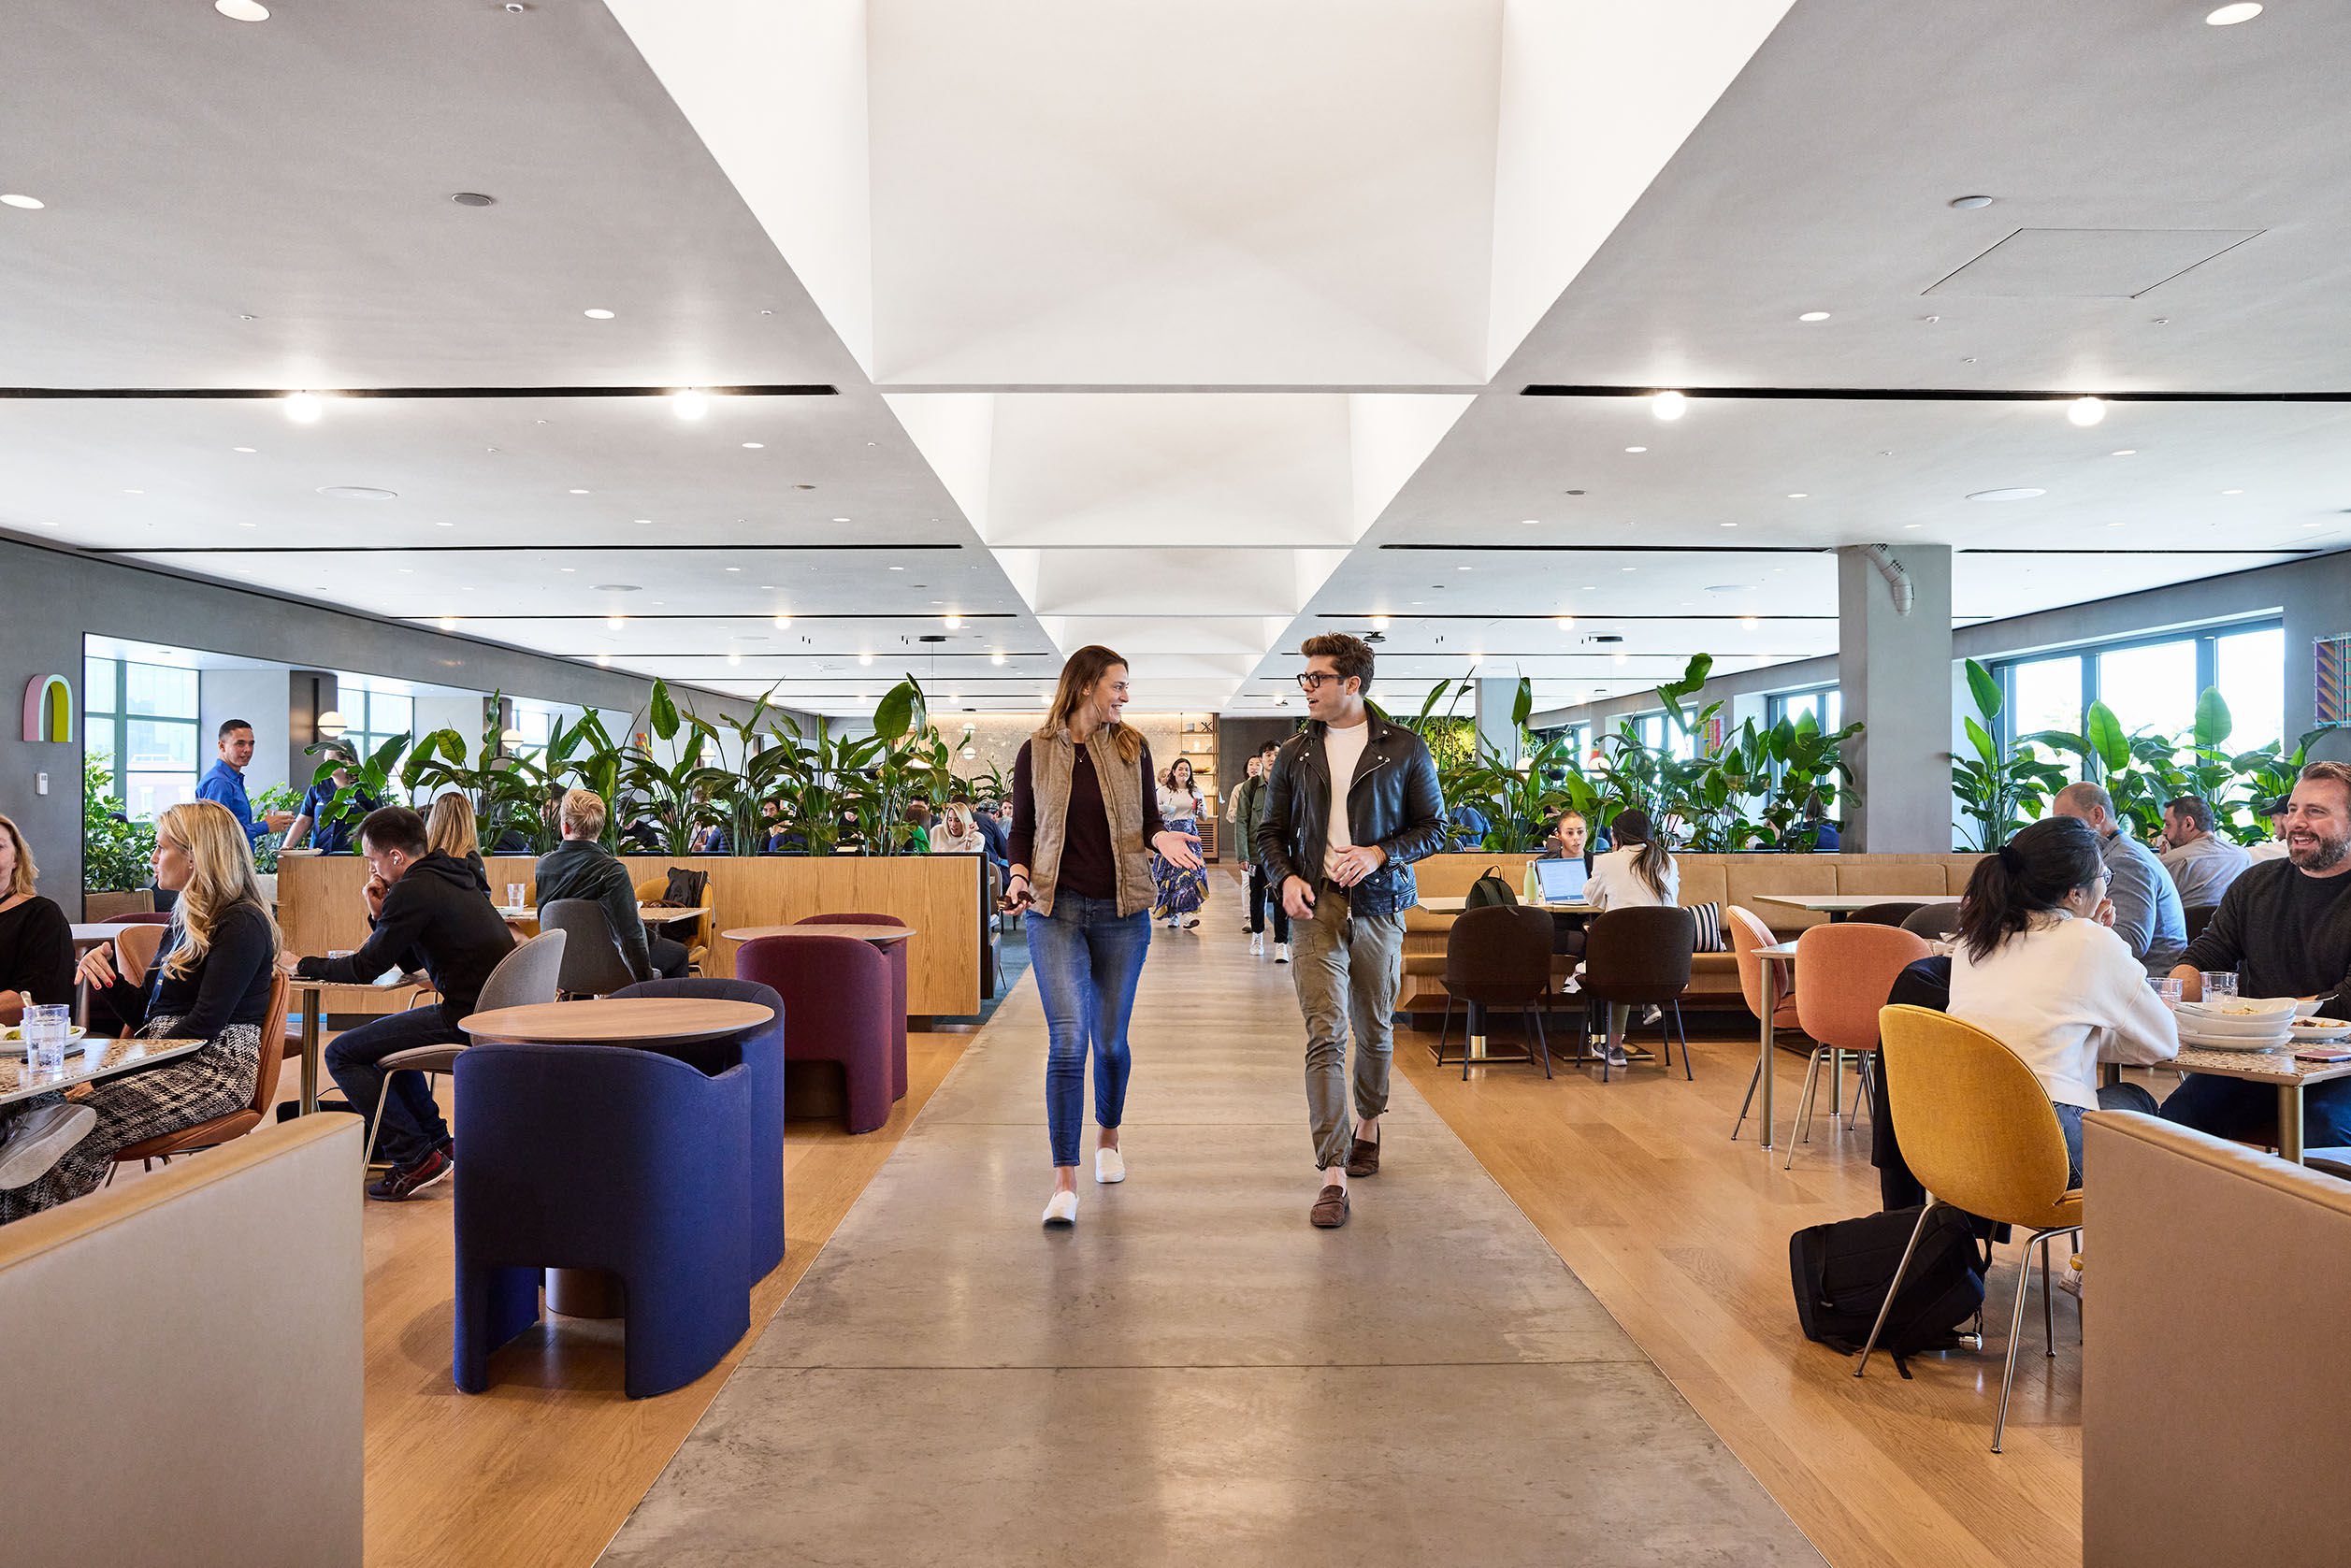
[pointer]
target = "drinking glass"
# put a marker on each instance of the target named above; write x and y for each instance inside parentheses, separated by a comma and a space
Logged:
(513, 895)
(2168, 988)
(2219, 983)
(44, 1031)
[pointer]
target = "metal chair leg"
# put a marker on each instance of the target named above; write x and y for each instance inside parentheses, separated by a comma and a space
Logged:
(1896, 1289)
(1836, 1090)
(1443, 1028)
(1804, 1111)
(2015, 1333)
(1755, 1081)
(375, 1124)
(1681, 1030)
(1542, 1043)
(2048, 1303)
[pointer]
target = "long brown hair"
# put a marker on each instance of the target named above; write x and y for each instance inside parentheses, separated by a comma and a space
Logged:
(222, 878)
(1079, 677)
(1652, 860)
(27, 873)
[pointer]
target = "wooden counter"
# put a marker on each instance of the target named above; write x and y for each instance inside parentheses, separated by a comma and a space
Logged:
(320, 910)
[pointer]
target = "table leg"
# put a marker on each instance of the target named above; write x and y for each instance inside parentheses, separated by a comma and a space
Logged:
(313, 1005)
(1477, 1028)
(2289, 1122)
(2109, 1074)
(1771, 1045)
(584, 1293)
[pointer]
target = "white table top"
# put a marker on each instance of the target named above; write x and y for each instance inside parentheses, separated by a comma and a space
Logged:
(1830, 903)
(650, 915)
(101, 1059)
(104, 930)
(617, 1020)
(1777, 950)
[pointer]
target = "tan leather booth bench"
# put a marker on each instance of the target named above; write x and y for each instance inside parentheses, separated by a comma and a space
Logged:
(183, 1363)
(2215, 1371)
(1727, 879)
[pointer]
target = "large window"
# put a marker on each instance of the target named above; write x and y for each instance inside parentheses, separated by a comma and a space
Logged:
(371, 717)
(142, 719)
(2153, 684)
(1826, 704)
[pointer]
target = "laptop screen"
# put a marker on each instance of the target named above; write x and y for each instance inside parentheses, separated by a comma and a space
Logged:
(1562, 881)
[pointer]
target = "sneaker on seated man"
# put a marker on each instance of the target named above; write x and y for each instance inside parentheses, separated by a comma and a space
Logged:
(428, 914)
(582, 867)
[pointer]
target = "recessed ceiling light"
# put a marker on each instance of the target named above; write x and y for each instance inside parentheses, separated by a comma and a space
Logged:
(1632, 568)
(645, 522)
(2229, 16)
(604, 661)
(1669, 405)
(1590, 587)
(474, 198)
(1969, 204)
(358, 492)
(598, 315)
(2233, 492)
(2128, 451)
(2021, 493)
(734, 569)
(1620, 658)
(248, 524)
(616, 588)
(864, 658)
(1913, 524)
(2085, 411)
(449, 622)
(246, 449)
(1797, 495)
(17, 198)
(753, 446)
(614, 623)
(1730, 525)
(1636, 449)
(1464, 569)
(252, 10)
(690, 404)
(134, 492)
(445, 524)
(303, 408)
(734, 656)
(566, 569)
(1814, 316)
(1747, 623)
(2114, 524)
(955, 622)
(1566, 622)
(840, 520)
(898, 568)
(1528, 522)
(579, 492)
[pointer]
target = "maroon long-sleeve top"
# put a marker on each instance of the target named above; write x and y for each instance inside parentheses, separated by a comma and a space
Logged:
(1088, 866)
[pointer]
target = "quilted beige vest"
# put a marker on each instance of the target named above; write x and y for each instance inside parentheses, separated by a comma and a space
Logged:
(1051, 759)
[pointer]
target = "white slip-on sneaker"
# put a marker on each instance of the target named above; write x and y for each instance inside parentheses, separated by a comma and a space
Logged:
(1257, 945)
(38, 1139)
(1110, 1166)
(1282, 952)
(1062, 1209)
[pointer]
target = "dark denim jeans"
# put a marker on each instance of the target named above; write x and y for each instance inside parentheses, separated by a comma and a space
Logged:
(412, 1122)
(2110, 1097)
(2247, 1113)
(1086, 958)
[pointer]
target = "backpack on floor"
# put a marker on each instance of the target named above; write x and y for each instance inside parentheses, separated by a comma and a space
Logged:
(1490, 889)
(1842, 1272)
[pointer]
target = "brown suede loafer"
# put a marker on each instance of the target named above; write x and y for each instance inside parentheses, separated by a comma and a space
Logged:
(1363, 1159)
(1330, 1209)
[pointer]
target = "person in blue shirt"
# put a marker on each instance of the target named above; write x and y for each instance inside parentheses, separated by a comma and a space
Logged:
(330, 838)
(1469, 825)
(225, 784)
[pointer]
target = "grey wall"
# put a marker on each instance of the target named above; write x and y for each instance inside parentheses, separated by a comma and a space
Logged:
(259, 696)
(53, 598)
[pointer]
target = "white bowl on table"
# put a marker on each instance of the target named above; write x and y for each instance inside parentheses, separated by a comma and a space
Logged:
(2321, 1032)
(2260, 1026)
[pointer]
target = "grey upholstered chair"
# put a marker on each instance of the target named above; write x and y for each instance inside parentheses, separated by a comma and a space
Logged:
(527, 975)
(592, 962)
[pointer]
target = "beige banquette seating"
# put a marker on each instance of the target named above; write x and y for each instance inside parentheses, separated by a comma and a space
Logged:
(1735, 879)
(183, 1362)
(2214, 1373)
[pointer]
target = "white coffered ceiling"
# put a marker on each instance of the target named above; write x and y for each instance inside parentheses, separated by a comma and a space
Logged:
(1187, 329)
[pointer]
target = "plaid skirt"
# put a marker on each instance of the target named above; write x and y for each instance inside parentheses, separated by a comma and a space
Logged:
(1178, 892)
(137, 1106)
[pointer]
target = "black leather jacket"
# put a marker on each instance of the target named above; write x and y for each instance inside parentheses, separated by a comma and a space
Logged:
(1393, 803)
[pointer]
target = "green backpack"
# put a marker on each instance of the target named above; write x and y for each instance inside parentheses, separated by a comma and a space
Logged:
(1490, 889)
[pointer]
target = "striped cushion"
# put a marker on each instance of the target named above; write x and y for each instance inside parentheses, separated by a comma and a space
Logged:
(1710, 936)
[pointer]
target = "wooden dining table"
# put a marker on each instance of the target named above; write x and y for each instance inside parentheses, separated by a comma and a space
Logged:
(880, 936)
(87, 1061)
(2279, 1068)
(1840, 907)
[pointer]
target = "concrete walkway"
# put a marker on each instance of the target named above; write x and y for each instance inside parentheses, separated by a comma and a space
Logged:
(1193, 1375)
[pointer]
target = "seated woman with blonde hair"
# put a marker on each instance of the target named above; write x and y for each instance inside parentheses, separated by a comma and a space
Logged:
(957, 831)
(210, 982)
(453, 832)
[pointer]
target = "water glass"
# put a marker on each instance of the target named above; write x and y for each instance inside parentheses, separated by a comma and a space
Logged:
(2219, 983)
(513, 895)
(44, 1031)
(2168, 988)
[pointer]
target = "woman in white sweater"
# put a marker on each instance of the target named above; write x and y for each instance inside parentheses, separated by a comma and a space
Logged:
(1639, 872)
(2038, 968)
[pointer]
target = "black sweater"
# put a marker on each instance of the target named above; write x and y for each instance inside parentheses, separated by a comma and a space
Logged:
(2285, 934)
(434, 919)
(36, 953)
(229, 984)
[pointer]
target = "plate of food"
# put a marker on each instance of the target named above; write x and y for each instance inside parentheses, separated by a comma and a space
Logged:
(2240, 1007)
(2248, 1024)
(12, 1040)
(2320, 1031)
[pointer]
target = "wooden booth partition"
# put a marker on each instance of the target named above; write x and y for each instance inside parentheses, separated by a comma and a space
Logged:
(320, 911)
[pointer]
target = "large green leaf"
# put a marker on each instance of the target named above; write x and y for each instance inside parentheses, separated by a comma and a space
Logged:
(662, 711)
(1522, 702)
(2104, 732)
(895, 713)
(2212, 720)
(1985, 690)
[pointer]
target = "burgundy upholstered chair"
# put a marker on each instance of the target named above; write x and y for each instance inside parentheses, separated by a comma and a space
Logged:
(896, 953)
(837, 1000)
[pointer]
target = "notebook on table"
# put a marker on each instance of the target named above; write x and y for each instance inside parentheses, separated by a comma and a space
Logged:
(1561, 882)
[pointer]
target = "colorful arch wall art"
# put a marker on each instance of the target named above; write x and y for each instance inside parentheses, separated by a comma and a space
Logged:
(48, 709)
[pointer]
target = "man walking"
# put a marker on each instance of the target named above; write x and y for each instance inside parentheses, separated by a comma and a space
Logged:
(1350, 804)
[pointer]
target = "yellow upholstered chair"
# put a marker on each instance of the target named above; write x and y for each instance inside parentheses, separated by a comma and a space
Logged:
(1978, 1131)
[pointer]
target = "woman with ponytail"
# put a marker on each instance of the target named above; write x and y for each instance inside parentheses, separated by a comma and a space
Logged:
(2039, 968)
(1639, 872)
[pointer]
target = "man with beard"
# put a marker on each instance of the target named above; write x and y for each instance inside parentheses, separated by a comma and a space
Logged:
(2285, 927)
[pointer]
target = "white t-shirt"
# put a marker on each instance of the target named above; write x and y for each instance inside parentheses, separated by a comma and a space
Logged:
(1616, 883)
(1343, 749)
(2268, 849)
(2060, 994)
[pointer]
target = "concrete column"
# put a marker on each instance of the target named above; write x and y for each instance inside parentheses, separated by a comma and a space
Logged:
(1495, 728)
(1894, 668)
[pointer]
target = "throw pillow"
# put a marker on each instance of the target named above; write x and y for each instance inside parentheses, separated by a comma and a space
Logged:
(1711, 937)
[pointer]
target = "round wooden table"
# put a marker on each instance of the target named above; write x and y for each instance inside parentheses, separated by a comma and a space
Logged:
(616, 1020)
(613, 1020)
(880, 936)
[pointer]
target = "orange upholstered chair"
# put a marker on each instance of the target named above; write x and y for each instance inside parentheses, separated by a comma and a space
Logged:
(1847, 970)
(236, 1124)
(1748, 933)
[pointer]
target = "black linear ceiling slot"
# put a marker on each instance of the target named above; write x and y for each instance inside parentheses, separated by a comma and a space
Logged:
(727, 615)
(1812, 550)
(1597, 617)
(236, 394)
(474, 549)
(1928, 395)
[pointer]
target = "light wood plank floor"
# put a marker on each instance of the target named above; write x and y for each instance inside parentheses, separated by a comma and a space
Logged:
(1683, 1236)
(542, 1469)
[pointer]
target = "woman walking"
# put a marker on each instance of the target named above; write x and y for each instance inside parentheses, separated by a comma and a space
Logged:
(1085, 818)
(1638, 872)
(1179, 892)
(210, 982)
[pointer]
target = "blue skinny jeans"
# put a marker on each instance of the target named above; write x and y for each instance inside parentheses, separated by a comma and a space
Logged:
(1088, 958)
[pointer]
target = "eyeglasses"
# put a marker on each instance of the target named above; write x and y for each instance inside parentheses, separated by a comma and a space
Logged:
(1313, 678)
